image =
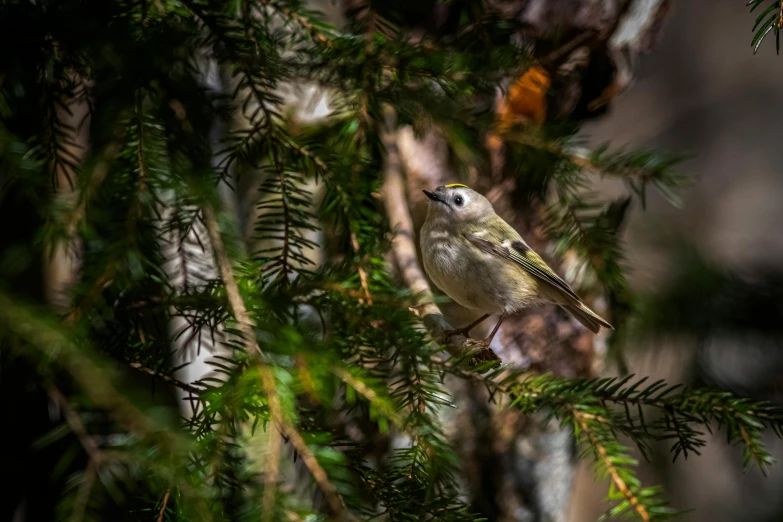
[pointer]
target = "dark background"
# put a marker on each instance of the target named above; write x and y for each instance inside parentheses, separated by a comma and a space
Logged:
(703, 92)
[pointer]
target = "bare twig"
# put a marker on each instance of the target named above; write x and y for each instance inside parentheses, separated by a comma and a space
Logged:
(165, 504)
(167, 378)
(403, 246)
(75, 423)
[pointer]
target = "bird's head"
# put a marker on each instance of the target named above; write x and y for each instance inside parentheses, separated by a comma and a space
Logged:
(458, 203)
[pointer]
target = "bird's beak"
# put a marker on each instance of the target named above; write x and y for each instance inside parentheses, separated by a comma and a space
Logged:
(433, 196)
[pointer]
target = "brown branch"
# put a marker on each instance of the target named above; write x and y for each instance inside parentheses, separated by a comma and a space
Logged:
(780, 16)
(362, 272)
(271, 474)
(369, 394)
(245, 325)
(403, 249)
(403, 246)
(232, 289)
(610, 467)
(333, 498)
(165, 504)
(76, 425)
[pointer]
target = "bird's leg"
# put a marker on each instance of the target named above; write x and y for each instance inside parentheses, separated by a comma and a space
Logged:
(488, 340)
(484, 352)
(465, 330)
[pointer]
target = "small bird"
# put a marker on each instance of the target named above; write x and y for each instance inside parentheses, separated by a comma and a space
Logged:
(483, 264)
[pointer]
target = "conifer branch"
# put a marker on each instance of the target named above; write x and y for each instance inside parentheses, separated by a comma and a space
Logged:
(52, 343)
(312, 28)
(606, 460)
(245, 324)
(330, 360)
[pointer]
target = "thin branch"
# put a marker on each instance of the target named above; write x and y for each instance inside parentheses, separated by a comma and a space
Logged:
(165, 504)
(403, 246)
(232, 289)
(245, 325)
(76, 425)
(362, 271)
(780, 15)
(618, 481)
(333, 498)
(167, 378)
(368, 393)
(272, 471)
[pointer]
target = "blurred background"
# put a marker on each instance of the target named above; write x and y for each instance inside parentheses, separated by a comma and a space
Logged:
(703, 92)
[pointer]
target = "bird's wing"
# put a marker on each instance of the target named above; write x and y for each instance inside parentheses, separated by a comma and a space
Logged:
(519, 253)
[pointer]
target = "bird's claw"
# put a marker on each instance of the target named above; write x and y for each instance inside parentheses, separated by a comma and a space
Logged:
(481, 352)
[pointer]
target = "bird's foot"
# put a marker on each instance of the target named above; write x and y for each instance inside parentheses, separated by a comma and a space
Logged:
(448, 334)
(465, 330)
(481, 352)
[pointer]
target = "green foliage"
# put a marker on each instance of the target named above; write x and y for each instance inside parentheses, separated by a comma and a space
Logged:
(769, 20)
(319, 357)
(604, 411)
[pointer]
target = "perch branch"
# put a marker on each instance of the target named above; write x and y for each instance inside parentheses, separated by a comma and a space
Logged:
(404, 249)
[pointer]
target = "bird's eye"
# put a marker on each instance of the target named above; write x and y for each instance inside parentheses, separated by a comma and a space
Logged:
(458, 201)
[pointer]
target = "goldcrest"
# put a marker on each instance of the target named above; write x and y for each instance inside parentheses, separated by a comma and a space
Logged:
(482, 263)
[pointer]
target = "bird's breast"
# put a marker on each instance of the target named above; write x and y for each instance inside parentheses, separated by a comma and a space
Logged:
(464, 274)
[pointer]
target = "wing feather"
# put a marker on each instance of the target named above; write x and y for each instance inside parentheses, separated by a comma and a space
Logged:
(521, 254)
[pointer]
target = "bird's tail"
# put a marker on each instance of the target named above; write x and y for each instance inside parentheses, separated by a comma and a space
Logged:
(587, 317)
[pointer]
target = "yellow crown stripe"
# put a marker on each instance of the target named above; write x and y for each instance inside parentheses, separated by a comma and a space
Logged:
(453, 185)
